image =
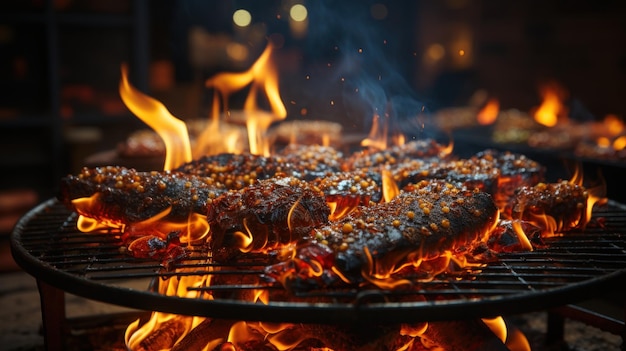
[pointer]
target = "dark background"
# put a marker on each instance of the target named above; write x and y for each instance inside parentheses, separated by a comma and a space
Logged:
(60, 64)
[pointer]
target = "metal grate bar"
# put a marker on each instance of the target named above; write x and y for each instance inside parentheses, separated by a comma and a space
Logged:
(49, 243)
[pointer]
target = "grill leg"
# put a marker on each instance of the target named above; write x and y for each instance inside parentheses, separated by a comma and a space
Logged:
(557, 316)
(53, 315)
(555, 334)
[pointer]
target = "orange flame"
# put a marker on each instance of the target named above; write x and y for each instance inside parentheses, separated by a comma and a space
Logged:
(261, 77)
(390, 187)
(172, 130)
(175, 326)
(551, 108)
(612, 134)
(377, 138)
(92, 204)
(489, 113)
(595, 194)
(193, 229)
(521, 235)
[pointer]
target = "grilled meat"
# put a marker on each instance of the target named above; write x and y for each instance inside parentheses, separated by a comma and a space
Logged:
(167, 251)
(374, 242)
(470, 172)
(347, 190)
(515, 171)
(235, 171)
(126, 195)
(269, 212)
(556, 207)
(510, 235)
(417, 149)
(498, 173)
(311, 162)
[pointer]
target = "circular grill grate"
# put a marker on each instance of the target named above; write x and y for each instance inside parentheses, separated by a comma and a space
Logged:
(47, 245)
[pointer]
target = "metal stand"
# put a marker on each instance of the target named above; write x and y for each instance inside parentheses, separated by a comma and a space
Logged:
(53, 315)
(557, 316)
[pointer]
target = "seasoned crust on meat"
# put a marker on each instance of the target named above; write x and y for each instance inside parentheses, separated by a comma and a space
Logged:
(310, 162)
(515, 171)
(127, 195)
(347, 190)
(564, 202)
(416, 149)
(269, 212)
(470, 172)
(419, 224)
(235, 171)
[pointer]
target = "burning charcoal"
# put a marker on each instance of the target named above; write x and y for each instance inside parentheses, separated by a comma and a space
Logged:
(356, 337)
(267, 214)
(469, 335)
(165, 336)
(208, 330)
(375, 241)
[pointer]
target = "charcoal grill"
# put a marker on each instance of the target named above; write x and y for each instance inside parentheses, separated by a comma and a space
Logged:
(47, 245)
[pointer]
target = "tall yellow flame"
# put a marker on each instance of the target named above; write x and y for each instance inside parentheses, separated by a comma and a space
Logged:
(261, 77)
(551, 108)
(172, 130)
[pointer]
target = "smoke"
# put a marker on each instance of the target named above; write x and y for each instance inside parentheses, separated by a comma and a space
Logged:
(371, 58)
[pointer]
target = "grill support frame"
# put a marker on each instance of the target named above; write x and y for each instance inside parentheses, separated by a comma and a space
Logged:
(53, 315)
(55, 323)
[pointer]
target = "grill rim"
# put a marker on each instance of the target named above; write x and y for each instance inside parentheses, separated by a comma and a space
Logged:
(365, 310)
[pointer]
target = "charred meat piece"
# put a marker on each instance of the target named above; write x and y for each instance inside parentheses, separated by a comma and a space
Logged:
(266, 214)
(470, 172)
(310, 162)
(167, 251)
(234, 171)
(417, 149)
(557, 207)
(126, 196)
(347, 190)
(510, 235)
(516, 170)
(498, 173)
(374, 242)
